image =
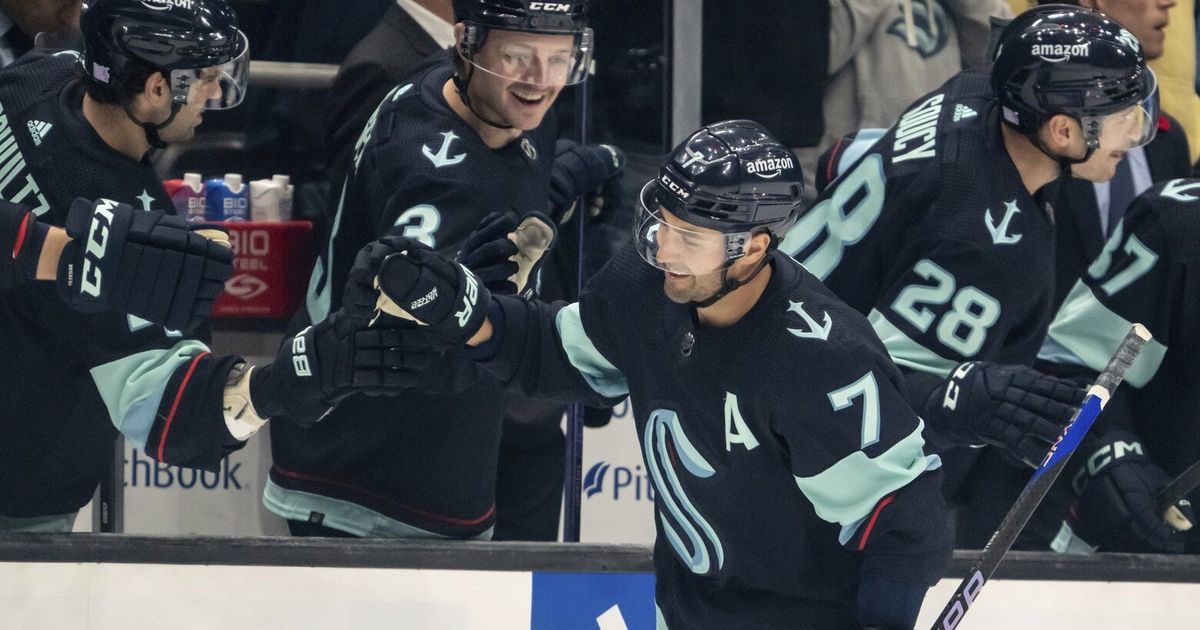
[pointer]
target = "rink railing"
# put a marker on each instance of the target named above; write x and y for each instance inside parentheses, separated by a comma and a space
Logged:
(510, 556)
(289, 75)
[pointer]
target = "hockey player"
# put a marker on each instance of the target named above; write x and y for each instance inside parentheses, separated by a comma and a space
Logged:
(463, 137)
(72, 380)
(792, 488)
(1147, 272)
(934, 232)
(203, 261)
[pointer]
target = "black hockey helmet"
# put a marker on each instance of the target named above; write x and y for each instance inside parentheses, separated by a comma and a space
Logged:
(1064, 59)
(187, 40)
(523, 15)
(732, 177)
(565, 67)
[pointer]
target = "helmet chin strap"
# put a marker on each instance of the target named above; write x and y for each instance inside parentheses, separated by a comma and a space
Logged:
(1064, 162)
(151, 129)
(727, 285)
(460, 84)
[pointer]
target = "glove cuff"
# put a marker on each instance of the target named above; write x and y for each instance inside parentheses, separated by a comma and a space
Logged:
(241, 417)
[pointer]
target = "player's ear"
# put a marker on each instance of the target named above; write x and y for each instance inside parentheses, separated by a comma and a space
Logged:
(1062, 134)
(156, 89)
(758, 247)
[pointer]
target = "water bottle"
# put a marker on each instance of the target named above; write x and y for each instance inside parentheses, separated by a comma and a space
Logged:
(188, 196)
(228, 199)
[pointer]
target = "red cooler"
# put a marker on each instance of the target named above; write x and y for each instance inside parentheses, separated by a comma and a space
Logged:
(271, 265)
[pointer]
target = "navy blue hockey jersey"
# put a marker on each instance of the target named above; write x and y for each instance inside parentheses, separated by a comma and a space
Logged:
(779, 447)
(1148, 272)
(931, 233)
(424, 463)
(71, 380)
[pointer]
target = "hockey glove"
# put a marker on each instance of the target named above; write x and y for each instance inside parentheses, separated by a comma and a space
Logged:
(147, 264)
(21, 240)
(592, 171)
(331, 360)
(1117, 509)
(489, 252)
(1013, 407)
(416, 285)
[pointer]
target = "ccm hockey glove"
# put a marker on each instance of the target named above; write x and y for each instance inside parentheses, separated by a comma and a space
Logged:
(592, 171)
(148, 264)
(1117, 509)
(1013, 407)
(331, 360)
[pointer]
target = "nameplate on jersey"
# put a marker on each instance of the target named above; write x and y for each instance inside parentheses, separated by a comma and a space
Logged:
(916, 133)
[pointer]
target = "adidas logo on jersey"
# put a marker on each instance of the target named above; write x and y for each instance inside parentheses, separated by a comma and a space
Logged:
(962, 111)
(38, 131)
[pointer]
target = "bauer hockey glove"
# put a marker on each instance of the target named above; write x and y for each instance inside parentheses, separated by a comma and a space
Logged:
(1013, 407)
(1117, 508)
(328, 361)
(592, 171)
(21, 240)
(148, 264)
(417, 286)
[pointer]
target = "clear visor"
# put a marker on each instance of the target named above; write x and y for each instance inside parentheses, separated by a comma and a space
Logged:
(1129, 128)
(542, 59)
(216, 87)
(667, 243)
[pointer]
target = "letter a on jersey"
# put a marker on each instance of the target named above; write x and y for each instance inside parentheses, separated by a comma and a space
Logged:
(736, 431)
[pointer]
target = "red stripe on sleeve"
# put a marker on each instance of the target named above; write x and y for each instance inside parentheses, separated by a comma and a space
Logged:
(862, 542)
(162, 439)
(21, 235)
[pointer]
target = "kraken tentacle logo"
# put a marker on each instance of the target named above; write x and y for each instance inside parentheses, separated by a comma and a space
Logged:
(702, 551)
(929, 32)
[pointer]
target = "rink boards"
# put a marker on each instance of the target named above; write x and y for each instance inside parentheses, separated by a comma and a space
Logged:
(99, 582)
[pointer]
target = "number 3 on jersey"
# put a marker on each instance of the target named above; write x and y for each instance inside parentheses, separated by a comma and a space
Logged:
(842, 225)
(419, 223)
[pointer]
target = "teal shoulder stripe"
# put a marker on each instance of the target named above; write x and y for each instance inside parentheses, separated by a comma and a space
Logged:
(601, 375)
(1085, 332)
(346, 516)
(846, 492)
(133, 386)
(907, 353)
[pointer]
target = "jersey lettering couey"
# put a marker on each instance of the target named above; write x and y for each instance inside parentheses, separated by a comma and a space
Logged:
(931, 233)
(773, 444)
(72, 380)
(422, 464)
(1148, 272)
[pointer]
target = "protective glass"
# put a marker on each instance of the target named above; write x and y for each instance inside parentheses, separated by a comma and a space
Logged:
(218, 87)
(677, 247)
(1131, 127)
(542, 59)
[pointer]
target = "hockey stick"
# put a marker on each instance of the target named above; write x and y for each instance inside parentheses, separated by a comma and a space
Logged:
(1179, 488)
(573, 477)
(1003, 538)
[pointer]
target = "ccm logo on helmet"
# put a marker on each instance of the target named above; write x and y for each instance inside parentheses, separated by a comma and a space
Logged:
(97, 245)
(673, 187)
(163, 5)
(1057, 53)
(769, 168)
(549, 6)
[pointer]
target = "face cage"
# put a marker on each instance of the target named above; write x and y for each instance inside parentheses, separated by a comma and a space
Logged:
(229, 82)
(577, 71)
(1136, 125)
(693, 252)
